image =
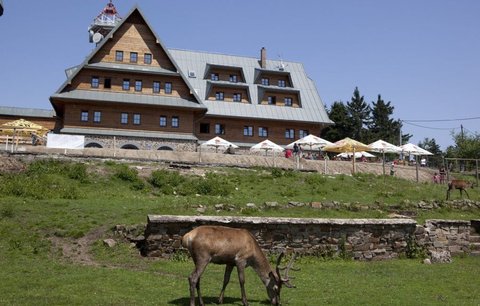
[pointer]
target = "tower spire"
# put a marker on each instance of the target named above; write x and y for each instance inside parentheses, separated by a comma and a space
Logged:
(104, 23)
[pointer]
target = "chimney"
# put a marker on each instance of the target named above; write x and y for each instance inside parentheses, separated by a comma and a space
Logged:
(263, 58)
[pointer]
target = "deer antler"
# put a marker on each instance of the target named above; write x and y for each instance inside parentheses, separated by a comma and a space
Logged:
(286, 279)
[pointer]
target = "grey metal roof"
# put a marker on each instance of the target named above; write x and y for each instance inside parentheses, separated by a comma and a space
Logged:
(116, 97)
(312, 109)
(128, 133)
(131, 68)
(26, 112)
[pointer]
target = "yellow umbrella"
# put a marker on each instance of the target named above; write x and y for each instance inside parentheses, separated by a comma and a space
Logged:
(347, 145)
(22, 125)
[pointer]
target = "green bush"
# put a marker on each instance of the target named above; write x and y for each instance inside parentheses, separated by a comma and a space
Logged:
(126, 173)
(161, 178)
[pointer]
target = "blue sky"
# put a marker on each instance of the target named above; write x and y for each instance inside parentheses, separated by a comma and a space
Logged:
(423, 56)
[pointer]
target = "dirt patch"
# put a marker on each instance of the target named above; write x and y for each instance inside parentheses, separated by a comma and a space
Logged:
(11, 164)
(78, 250)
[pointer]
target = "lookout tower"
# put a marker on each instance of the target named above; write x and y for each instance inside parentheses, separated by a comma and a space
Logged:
(103, 23)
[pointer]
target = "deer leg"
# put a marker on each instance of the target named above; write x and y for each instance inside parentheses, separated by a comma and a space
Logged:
(241, 279)
(226, 279)
(466, 193)
(194, 281)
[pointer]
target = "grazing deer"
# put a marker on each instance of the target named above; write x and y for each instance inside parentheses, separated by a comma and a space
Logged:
(460, 185)
(232, 247)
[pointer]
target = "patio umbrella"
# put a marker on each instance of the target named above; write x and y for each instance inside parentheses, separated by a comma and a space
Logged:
(383, 147)
(218, 142)
(267, 145)
(415, 150)
(347, 145)
(311, 140)
(357, 154)
(21, 126)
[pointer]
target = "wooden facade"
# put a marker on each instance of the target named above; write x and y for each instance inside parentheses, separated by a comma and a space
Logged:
(131, 66)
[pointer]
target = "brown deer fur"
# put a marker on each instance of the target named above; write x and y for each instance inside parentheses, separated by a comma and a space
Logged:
(230, 247)
(460, 185)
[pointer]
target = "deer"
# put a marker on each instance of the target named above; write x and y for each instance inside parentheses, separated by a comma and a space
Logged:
(233, 247)
(460, 185)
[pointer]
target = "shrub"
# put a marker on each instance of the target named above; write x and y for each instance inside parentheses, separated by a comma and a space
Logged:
(126, 173)
(161, 178)
(77, 172)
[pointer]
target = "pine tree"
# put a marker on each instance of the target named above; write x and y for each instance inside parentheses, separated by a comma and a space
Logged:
(359, 114)
(381, 125)
(338, 113)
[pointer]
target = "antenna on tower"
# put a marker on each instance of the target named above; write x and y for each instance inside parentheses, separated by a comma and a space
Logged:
(282, 65)
(103, 23)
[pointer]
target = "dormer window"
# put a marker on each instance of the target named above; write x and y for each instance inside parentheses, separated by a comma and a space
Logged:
(282, 83)
(219, 96)
(272, 100)
(237, 97)
(287, 101)
(233, 78)
(265, 81)
(214, 77)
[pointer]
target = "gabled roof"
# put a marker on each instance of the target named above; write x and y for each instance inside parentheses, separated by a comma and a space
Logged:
(73, 72)
(312, 108)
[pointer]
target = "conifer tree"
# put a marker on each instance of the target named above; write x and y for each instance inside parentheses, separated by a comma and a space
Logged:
(359, 114)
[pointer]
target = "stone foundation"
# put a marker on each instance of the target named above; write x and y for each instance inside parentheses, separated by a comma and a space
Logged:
(108, 142)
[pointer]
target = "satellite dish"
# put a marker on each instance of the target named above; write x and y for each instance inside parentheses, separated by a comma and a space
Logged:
(97, 37)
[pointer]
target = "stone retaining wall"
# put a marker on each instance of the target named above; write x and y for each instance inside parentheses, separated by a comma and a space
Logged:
(359, 239)
(362, 239)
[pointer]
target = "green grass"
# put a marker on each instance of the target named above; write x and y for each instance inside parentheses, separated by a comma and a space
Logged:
(66, 201)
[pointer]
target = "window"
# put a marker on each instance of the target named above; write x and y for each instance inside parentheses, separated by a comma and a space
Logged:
(124, 118)
(126, 84)
(138, 85)
(272, 100)
(175, 122)
(219, 129)
(94, 82)
(133, 57)
(107, 83)
(237, 97)
(289, 133)
(219, 96)
(168, 87)
(214, 77)
(287, 101)
(248, 130)
(265, 81)
(84, 116)
(302, 133)
(263, 132)
(282, 83)
(97, 116)
(147, 58)
(119, 56)
(163, 120)
(233, 78)
(204, 128)
(136, 119)
(156, 87)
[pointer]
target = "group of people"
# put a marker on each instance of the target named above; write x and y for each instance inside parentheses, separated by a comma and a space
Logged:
(439, 177)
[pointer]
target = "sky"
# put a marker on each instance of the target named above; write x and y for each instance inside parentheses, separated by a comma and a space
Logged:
(422, 56)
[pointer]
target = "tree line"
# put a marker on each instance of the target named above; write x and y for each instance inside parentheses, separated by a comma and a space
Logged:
(367, 123)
